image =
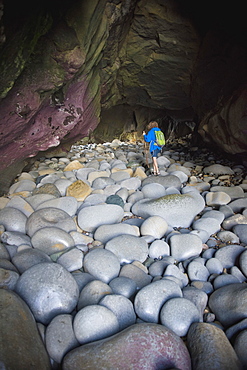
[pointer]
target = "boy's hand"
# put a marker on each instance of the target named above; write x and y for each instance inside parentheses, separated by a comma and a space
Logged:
(144, 133)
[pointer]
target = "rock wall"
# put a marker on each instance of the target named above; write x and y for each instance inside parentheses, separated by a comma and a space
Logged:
(70, 67)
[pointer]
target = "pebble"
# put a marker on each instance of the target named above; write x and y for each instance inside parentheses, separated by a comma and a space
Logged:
(128, 248)
(210, 348)
(178, 314)
(90, 218)
(102, 264)
(49, 290)
(150, 299)
(94, 322)
(104, 240)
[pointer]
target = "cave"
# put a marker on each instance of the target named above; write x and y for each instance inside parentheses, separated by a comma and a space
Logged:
(72, 69)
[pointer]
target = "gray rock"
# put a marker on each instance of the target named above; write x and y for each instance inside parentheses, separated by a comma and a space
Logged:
(238, 205)
(234, 192)
(104, 233)
(228, 237)
(140, 344)
(240, 345)
(23, 185)
(92, 293)
(8, 278)
(15, 238)
(150, 299)
(90, 218)
(228, 303)
(36, 200)
(49, 217)
(21, 345)
(82, 278)
(122, 307)
(157, 268)
(218, 169)
(124, 286)
(235, 271)
(241, 231)
(184, 246)
(210, 348)
(153, 190)
(102, 182)
(210, 225)
(128, 248)
(166, 181)
(243, 262)
(49, 290)
(203, 235)
(236, 329)
(102, 264)
(93, 323)
(21, 204)
(228, 255)
(176, 209)
(224, 279)
(4, 252)
(214, 266)
(197, 271)
(196, 296)
(62, 185)
(67, 204)
(217, 198)
(51, 240)
(173, 270)
(13, 219)
(155, 226)
(115, 199)
(71, 259)
(131, 184)
(29, 257)
(140, 277)
(60, 337)
(158, 248)
(178, 314)
(237, 219)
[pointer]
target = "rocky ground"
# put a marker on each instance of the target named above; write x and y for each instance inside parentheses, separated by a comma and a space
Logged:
(103, 265)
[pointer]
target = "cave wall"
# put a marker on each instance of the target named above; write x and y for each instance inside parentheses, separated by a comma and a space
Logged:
(70, 68)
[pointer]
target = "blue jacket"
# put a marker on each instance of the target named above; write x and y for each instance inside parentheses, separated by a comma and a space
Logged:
(150, 138)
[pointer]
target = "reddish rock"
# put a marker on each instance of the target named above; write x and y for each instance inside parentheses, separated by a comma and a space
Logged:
(139, 347)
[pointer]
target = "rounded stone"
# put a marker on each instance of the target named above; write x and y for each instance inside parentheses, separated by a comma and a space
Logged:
(67, 204)
(217, 198)
(106, 232)
(71, 259)
(240, 345)
(178, 210)
(79, 190)
(92, 293)
(209, 347)
(21, 345)
(178, 314)
(153, 190)
(51, 240)
(102, 264)
(49, 290)
(27, 258)
(122, 307)
(90, 218)
(15, 238)
(197, 271)
(49, 217)
(155, 226)
(150, 299)
(228, 303)
(124, 286)
(140, 345)
(140, 277)
(185, 246)
(13, 219)
(158, 248)
(229, 254)
(128, 248)
(60, 337)
(21, 204)
(47, 189)
(209, 224)
(93, 323)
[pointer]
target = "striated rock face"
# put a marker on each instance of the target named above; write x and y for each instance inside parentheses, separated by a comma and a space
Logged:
(69, 67)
